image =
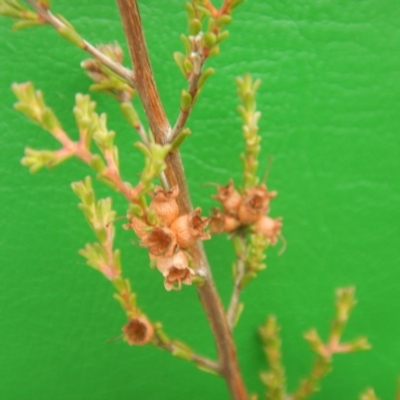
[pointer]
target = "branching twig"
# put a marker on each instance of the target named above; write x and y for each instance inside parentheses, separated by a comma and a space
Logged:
(111, 172)
(240, 271)
(51, 19)
(325, 351)
(201, 361)
(192, 90)
(160, 128)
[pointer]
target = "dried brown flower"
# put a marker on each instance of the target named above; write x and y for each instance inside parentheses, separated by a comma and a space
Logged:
(255, 202)
(220, 222)
(189, 228)
(269, 228)
(164, 204)
(229, 197)
(161, 242)
(175, 270)
(138, 331)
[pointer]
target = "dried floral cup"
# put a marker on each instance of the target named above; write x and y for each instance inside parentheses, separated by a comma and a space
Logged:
(229, 197)
(254, 203)
(161, 242)
(220, 223)
(189, 228)
(138, 331)
(164, 204)
(175, 270)
(270, 228)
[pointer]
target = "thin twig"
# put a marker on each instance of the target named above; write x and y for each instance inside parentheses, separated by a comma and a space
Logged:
(141, 131)
(79, 150)
(196, 358)
(117, 68)
(160, 128)
(184, 114)
(241, 268)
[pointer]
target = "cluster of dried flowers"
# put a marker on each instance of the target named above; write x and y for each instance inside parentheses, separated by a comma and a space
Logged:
(170, 237)
(249, 208)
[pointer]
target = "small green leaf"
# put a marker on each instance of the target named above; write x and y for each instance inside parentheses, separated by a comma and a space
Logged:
(214, 51)
(130, 114)
(9, 12)
(210, 39)
(186, 44)
(180, 60)
(186, 100)
(97, 164)
(204, 76)
(206, 369)
(222, 36)
(223, 21)
(180, 139)
(71, 35)
(65, 22)
(194, 26)
(190, 10)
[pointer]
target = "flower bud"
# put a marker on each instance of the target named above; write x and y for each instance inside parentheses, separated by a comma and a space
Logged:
(161, 242)
(255, 202)
(220, 223)
(269, 228)
(229, 197)
(164, 204)
(138, 331)
(175, 270)
(189, 228)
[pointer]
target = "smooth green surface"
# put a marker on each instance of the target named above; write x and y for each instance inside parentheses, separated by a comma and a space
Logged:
(331, 120)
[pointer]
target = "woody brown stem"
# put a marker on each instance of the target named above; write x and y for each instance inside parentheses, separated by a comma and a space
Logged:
(160, 127)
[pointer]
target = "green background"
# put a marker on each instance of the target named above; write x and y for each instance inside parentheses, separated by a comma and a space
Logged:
(330, 104)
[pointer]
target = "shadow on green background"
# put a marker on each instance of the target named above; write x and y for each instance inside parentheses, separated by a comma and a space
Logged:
(331, 120)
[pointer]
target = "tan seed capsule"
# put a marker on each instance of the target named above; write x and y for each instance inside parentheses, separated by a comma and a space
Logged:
(138, 331)
(160, 241)
(254, 203)
(229, 197)
(164, 204)
(189, 228)
(270, 228)
(220, 222)
(175, 270)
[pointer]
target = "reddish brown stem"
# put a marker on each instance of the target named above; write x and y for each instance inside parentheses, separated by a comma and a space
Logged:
(146, 87)
(184, 114)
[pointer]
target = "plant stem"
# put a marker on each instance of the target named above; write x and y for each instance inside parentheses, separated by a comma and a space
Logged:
(234, 302)
(79, 150)
(160, 127)
(196, 358)
(184, 114)
(51, 19)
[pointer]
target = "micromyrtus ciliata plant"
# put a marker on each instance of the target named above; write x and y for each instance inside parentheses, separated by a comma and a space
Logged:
(159, 211)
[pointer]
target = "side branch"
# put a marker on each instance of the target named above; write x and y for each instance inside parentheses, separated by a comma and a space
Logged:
(201, 361)
(193, 90)
(237, 287)
(51, 19)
